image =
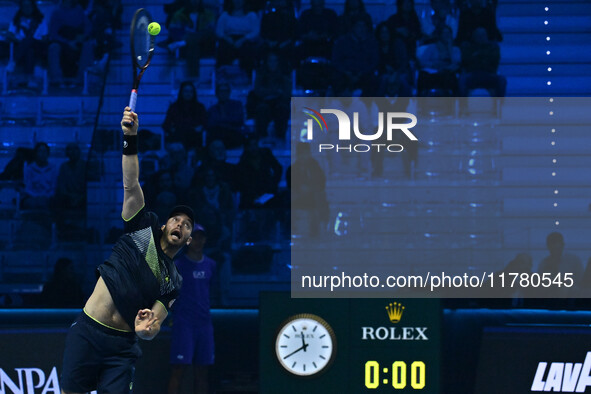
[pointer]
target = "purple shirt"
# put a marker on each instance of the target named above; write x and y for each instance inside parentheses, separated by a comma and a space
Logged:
(192, 305)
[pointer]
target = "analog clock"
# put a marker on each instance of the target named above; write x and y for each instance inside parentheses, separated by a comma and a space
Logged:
(305, 344)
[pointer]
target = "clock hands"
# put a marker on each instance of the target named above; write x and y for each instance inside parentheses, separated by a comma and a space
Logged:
(295, 351)
(303, 347)
(304, 344)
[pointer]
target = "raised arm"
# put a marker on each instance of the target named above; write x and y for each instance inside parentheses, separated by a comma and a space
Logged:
(133, 196)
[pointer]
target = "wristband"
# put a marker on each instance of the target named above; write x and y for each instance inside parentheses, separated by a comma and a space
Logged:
(129, 144)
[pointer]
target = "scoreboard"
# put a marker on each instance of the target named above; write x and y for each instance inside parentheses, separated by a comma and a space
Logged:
(349, 345)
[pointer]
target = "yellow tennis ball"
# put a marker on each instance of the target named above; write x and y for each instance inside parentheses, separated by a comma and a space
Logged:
(154, 28)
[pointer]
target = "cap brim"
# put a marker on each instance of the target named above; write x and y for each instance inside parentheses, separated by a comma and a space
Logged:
(183, 209)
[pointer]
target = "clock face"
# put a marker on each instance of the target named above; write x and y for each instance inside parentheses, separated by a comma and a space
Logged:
(305, 345)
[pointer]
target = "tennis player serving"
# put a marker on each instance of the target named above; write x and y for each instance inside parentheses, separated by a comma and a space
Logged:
(136, 285)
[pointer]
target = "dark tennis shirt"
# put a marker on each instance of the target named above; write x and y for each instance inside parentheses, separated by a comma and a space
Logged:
(138, 273)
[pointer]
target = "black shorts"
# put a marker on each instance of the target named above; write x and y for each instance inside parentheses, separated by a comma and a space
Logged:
(97, 357)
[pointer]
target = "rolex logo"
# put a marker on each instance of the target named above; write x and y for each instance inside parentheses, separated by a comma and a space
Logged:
(395, 311)
(394, 333)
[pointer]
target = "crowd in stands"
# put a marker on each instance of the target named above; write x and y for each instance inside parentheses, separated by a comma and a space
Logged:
(220, 191)
(451, 50)
(453, 47)
(49, 193)
(75, 37)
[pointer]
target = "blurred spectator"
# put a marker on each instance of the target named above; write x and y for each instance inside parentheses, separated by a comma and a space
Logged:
(480, 62)
(161, 195)
(181, 169)
(215, 205)
(509, 296)
(149, 142)
(475, 14)
(70, 196)
(439, 63)
(392, 101)
(40, 178)
(316, 29)
(165, 201)
(191, 27)
(219, 234)
(28, 30)
(214, 192)
(308, 193)
(225, 119)
(238, 36)
(344, 161)
(71, 50)
(71, 181)
(278, 29)
(63, 290)
(405, 25)
(112, 9)
(212, 196)
(394, 70)
(185, 119)
(260, 173)
(353, 11)
(393, 55)
(440, 13)
(410, 158)
(14, 169)
(154, 187)
(270, 98)
(355, 57)
(105, 19)
(556, 263)
(215, 158)
(559, 261)
(170, 9)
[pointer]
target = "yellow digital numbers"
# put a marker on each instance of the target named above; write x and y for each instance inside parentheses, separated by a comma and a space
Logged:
(372, 374)
(398, 377)
(417, 368)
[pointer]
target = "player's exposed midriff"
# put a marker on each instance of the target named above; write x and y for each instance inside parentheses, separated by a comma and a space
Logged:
(100, 307)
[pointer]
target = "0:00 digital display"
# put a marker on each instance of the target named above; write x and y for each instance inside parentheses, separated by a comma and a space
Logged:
(399, 377)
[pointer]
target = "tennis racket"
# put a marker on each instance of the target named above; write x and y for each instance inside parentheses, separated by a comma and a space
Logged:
(142, 49)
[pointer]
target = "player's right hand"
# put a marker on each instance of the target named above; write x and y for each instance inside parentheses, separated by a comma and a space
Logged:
(128, 117)
(146, 324)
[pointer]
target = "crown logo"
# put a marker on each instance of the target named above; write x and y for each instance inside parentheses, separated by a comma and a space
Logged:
(395, 311)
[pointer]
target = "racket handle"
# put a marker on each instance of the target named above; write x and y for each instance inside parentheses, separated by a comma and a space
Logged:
(132, 102)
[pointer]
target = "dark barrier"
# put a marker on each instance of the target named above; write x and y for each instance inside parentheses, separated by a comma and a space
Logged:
(472, 351)
(31, 344)
(32, 341)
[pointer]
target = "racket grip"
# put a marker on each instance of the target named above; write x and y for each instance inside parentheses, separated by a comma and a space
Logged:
(132, 103)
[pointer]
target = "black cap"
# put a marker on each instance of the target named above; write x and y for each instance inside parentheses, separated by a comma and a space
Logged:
(183, 209)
